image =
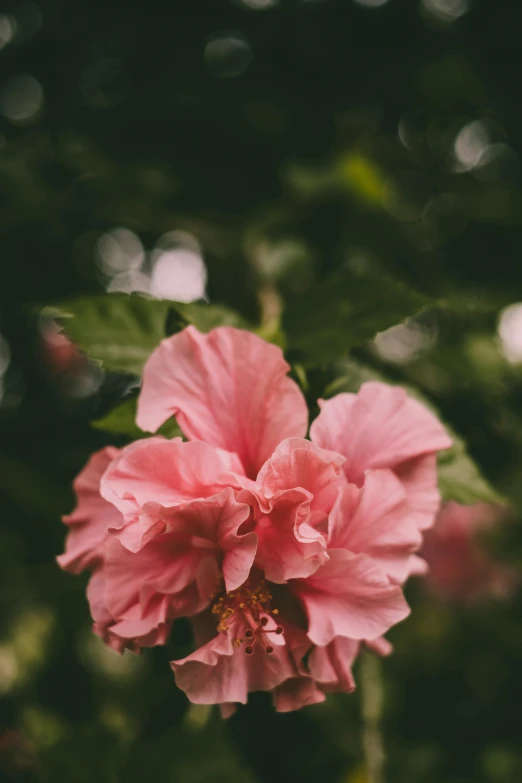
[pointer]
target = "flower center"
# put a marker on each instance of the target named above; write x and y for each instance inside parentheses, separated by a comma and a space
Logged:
(252, 607)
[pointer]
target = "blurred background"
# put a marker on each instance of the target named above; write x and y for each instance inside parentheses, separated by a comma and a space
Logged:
(261, 155)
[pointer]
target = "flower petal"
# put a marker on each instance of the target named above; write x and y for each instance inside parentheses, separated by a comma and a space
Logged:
(375, 519)
(331, 666)
(93, 516)
(295, 693)
(220, 672)
(164, 566)
(380, 645)
(288, 546)
(298, 463)
(380, 427)
(214, 523)
(154, 473)
(419, 479)
(349, 596)
(228, 388)
(148, 630)
(212, 674)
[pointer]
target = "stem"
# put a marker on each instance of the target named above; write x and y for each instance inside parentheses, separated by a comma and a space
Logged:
(270, 304)
(371, 687)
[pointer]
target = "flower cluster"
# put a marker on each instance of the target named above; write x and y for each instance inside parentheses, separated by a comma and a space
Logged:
(286, 553)
(460, 567)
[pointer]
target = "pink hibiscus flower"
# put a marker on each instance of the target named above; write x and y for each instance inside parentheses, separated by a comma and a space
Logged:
(459, 564)
(286, 553)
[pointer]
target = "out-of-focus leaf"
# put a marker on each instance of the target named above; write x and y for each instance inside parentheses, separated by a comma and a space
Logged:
(352, 374)
(121, 330)
(89, 752)
(345, 310)
(206, 317)
(122, 421)
(177, 755)
(35, 492)
(361, 175)
(117, 330)
(460, 478)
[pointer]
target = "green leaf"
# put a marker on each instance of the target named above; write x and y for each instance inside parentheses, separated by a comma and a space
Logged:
(352, 375)
(460, 478)
(117, 330)
(120, 331)
(345, 310)
(122, 421)
(206, 317)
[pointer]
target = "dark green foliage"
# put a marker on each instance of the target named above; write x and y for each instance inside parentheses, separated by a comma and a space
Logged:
(318, 165)
(345, 310)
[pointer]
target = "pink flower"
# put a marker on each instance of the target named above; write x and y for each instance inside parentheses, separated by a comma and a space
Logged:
(93, 516)
(381, 427)
(287, 554)
(153, 475)
(227, 388)
(60, 353)
(292, 498)
(135, 596)
(348, 598)
(459, 563)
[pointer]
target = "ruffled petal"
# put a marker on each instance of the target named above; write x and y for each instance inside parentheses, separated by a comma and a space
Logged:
(295, 693)
(213, 524)
(165, 566)
(380, 427)
(331, 666)
(228, 388)
(153, 473)
(349, 596)
(376, 520)
(93, 516)
(219, 672)
(288, 546)
(298, 463)
(137, 630)
(213, 674)
(134, 597)
(380, 645)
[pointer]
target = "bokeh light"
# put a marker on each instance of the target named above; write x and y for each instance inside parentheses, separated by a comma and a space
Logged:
(470, 145)
(21, 99)
(446, 10)
(405, 342)
(372, 3)
(178, 271)
(173, 270)
(26, 641)
(7, 29)
(119, 250)
(8, 668)
(106, 661)
(5, 358)
(227, 54)
(510, 332)
(257, 5)
(120, 255)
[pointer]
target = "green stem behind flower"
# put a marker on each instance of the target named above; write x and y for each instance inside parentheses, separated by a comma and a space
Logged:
(371, 695)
